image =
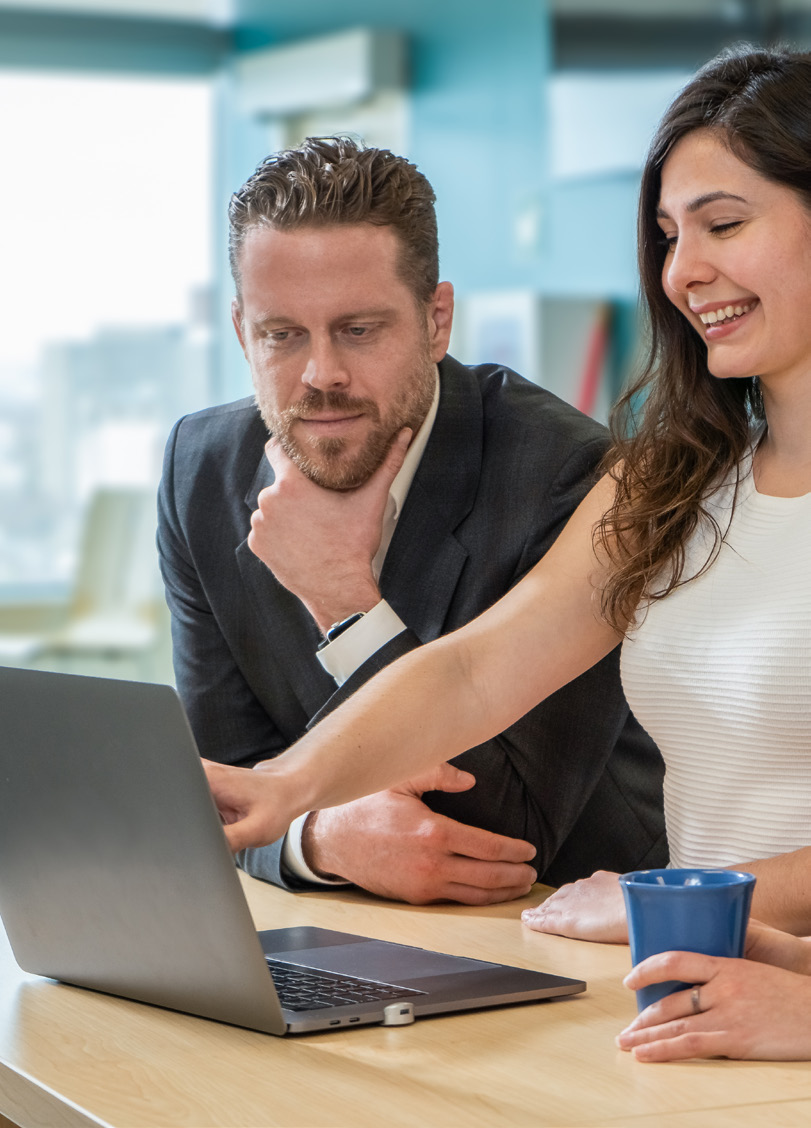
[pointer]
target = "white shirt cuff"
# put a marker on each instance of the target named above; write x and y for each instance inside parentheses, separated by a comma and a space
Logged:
(358, 643)
(293, 856)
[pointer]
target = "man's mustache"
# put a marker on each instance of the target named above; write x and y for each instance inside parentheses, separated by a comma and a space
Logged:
(315, 402)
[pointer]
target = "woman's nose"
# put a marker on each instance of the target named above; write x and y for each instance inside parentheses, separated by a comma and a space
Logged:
(687, 266)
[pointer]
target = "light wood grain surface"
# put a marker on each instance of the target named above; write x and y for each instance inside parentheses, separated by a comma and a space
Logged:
(72, 1057)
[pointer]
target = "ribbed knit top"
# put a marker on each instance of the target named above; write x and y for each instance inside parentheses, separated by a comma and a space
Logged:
(719, 673)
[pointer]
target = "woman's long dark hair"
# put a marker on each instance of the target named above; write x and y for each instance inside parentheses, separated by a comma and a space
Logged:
(693, 429)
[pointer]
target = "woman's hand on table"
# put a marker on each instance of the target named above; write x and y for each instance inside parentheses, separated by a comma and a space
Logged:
(745, 1010)
(590, 909)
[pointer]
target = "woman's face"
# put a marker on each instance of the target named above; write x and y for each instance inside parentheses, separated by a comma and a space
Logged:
(738, 264)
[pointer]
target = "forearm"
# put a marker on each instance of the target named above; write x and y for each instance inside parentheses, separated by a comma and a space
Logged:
(782, 898)
(384, 733)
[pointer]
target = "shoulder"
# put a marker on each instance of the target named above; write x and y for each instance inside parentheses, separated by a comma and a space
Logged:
(224, 430)
(221, 421)
(528, 421)
(219, 444)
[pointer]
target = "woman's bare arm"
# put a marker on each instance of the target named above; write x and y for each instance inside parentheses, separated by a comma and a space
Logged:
(440, 700)
(781, 896)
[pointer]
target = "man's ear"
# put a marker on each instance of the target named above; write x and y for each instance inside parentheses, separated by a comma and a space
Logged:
(236, 318)
(440, 320)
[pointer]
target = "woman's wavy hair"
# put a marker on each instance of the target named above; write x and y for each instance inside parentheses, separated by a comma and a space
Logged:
(678, 431)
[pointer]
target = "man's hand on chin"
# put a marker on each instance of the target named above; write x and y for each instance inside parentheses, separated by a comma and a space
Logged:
(320, 543)
(393, 845)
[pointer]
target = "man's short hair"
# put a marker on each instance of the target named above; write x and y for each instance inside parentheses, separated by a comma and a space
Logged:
(334, 180)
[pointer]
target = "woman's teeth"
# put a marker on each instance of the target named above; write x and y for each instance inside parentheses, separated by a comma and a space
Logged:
(725, 313)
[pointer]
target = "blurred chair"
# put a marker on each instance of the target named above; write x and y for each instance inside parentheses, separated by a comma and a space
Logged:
(112, 625)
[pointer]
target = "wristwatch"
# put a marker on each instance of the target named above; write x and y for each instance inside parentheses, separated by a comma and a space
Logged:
(338, 629)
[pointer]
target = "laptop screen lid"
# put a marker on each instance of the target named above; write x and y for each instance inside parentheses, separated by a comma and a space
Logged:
(115, 874)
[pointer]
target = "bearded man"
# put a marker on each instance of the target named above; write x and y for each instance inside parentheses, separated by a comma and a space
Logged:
(373, 495)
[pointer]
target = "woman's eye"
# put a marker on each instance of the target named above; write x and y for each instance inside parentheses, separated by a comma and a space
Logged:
(726, 228)
(668, 241)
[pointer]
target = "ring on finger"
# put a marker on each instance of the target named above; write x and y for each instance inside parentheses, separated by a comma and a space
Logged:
(695, 1000)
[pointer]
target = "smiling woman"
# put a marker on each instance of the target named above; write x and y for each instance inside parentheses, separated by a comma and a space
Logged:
(711, 523)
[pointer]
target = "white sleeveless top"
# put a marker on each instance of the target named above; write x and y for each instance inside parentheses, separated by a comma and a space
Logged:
(719, 673)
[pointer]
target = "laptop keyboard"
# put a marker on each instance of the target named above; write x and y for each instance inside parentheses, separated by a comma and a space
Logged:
(302, 988)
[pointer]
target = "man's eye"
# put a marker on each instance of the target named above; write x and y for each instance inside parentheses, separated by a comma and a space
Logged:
(357, 330)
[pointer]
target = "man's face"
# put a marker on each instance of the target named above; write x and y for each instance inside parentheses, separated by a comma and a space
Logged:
(341, 353)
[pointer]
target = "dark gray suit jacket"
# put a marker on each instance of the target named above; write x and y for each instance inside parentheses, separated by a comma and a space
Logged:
(504, 467)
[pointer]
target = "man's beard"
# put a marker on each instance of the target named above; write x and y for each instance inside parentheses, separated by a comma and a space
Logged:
(324, 460)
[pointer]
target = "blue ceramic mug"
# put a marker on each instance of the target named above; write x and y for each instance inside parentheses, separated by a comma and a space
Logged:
(685, 910)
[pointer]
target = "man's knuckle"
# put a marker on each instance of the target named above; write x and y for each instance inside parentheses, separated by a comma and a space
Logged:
(492, 849)
(433, 834)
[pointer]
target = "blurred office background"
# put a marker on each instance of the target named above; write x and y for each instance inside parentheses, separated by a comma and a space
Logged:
(125, 125)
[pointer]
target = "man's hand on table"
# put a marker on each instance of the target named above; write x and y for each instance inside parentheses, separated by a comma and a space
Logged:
(393, 845)
(320, 543)
(589, 909)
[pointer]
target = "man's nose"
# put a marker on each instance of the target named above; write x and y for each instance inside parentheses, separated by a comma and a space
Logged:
(325, 368)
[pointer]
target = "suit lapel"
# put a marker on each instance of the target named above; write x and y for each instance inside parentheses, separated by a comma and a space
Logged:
(425, 559)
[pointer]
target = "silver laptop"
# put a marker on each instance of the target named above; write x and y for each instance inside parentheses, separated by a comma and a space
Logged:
(115, 874)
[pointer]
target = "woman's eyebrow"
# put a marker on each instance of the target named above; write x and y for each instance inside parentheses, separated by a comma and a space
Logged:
(701, 201)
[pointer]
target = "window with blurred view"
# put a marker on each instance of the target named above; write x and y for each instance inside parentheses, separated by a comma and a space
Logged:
(105, 286)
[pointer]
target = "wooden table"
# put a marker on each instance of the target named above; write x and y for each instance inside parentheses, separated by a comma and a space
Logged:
(72, 1057)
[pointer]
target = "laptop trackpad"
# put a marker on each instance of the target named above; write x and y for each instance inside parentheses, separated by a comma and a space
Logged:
(382, 960)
